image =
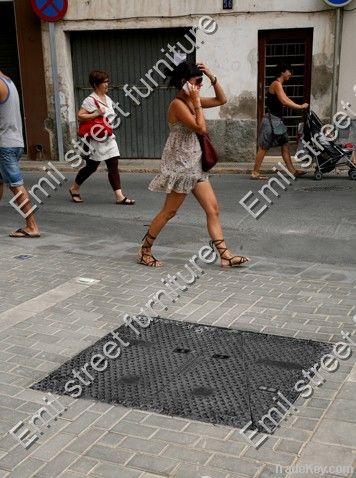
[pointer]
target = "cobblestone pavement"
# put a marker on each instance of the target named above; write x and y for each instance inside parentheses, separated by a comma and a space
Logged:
(47, 316)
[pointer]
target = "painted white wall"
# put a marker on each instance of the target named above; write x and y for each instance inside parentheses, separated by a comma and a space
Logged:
(113, 9)
(348, 58)
(231, 52)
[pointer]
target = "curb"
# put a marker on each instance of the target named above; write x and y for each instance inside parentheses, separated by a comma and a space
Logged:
(151, 166)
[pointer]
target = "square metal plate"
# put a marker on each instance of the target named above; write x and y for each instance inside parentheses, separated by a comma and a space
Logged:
(199, 372)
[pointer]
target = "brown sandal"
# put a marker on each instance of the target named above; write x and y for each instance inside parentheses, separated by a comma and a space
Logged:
(152, 262)
(259, 177)
(221, 250)
(76, 198)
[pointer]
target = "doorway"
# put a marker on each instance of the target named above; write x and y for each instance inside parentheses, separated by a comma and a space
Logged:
(293, 46)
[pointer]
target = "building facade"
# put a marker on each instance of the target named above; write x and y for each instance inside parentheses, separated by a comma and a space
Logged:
(21, 58)
(128, 38)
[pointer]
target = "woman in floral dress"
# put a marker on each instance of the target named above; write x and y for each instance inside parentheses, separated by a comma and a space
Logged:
(181, 166)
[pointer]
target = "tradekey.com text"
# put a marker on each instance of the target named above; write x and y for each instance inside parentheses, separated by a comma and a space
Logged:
(308, 469)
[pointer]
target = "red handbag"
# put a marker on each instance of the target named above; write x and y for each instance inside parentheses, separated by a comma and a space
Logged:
(97, 127)
(209, 155)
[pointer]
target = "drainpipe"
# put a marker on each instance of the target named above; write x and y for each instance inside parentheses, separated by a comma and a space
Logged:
(337, 53)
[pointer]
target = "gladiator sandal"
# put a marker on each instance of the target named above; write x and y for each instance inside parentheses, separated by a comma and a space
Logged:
(145, 255)
(222, 250)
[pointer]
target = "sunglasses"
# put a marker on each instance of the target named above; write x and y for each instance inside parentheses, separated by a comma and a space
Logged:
(198, 81)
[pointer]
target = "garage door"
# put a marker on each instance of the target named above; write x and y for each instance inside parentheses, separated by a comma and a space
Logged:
(127, 55)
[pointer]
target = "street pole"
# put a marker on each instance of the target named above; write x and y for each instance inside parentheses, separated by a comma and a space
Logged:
(52, 43)
(337, 54)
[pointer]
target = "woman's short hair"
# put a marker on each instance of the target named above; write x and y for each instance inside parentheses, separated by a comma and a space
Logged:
(281, 67)
(183, 71)
(96, 77)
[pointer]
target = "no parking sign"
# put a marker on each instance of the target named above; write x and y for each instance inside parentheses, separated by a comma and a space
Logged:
(50, 10)
(337, 3)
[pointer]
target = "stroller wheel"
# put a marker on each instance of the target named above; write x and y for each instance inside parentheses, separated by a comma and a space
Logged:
(318, 176)
(352, 174)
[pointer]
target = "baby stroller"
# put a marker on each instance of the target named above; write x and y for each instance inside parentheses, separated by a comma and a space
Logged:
(328, 153)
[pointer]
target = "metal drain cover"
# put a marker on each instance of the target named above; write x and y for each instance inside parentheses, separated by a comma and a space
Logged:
(198, 372)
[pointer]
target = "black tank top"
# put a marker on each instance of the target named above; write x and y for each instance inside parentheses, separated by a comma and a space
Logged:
(274, 105)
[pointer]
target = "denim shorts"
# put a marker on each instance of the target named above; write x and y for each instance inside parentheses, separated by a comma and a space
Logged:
(9, 166)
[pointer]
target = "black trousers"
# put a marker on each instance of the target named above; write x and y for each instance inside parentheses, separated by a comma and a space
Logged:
(91, 166)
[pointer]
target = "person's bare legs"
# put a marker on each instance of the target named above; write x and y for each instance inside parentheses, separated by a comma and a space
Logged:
(23, 199)
(288, 161)
(171, 205)
(261, 153)
(205, 195)
(287, 158)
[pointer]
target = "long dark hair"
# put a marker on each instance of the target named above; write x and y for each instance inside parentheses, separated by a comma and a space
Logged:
(183, 71)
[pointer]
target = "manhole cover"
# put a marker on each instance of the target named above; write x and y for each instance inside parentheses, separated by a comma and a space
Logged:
(325, 188)
(198, 372)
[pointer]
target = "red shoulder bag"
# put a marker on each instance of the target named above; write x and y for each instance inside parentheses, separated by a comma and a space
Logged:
(97, 127)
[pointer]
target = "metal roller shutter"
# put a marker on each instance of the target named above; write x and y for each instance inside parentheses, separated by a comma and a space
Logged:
(127, 55)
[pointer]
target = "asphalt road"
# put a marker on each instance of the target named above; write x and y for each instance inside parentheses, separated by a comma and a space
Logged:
(310, 221)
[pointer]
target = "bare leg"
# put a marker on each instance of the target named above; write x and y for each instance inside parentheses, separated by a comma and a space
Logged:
(31, 225)
(171, 205)
(288, 160)
(261, 153)
(205, 195)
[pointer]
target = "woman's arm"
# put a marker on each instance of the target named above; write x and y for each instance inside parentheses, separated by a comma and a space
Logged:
(283, 98)
(84, 115)
(4, 91)
(181, 112)
(219, 98)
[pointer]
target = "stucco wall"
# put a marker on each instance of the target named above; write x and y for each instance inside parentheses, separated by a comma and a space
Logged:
(348, 58)
(231, 53)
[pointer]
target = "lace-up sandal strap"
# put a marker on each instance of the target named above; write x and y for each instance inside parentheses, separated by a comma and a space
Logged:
(151, 262)
(146, 246)
(147, 238)
(221, 250)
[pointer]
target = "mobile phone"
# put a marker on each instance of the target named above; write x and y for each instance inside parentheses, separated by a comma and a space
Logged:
(186, 87)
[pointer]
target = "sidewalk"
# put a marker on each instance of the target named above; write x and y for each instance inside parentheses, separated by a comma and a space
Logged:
(55, 317)
(152, 166)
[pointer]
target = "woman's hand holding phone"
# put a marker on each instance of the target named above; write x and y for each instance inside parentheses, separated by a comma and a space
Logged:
(192, 91)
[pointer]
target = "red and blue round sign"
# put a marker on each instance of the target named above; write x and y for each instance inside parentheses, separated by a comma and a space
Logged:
(50, 10)
(337, 3)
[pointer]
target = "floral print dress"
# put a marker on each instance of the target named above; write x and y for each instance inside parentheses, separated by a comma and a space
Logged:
(181, 167)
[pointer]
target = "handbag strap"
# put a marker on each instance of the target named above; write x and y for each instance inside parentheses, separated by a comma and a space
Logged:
(96, 102)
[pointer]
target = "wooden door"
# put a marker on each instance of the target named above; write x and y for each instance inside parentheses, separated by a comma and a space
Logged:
(293, 46)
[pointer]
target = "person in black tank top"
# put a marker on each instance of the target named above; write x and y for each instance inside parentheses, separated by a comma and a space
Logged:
(274, 106)
(276, 99)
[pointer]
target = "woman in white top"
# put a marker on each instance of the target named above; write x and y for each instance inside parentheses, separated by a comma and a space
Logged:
(106, 150)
